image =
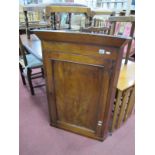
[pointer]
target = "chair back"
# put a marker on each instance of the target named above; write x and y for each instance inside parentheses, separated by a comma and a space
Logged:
(98, 22)
(22, 51)
(101, 30)
(123, 19)
(34, 18)
(53, 9)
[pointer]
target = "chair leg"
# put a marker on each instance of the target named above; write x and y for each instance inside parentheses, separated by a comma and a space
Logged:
(29, 71)
(42, 71)
(21, 73)
(128, 52)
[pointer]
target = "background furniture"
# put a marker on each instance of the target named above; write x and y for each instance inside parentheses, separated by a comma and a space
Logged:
(33, 17)
(32, 45)
(68, 60)
(27, 63)
(125, 95)
(123, 19)
(99, 17)
(101, 30)
(99, 22)
(69, 8)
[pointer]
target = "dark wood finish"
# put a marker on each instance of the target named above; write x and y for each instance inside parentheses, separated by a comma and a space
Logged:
(80, 82)
(27, 25)
(130, 43)
(122, 13)
(90, 21)
(70, 16)
(112, 29)
(132, 12)
(21, 73)
(126, 78)
(27, 74)
(53, 21)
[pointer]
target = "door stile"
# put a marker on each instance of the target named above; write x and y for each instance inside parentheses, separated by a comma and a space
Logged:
(103, 100)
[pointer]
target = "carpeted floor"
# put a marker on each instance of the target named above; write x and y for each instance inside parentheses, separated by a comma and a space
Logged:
(37, 137)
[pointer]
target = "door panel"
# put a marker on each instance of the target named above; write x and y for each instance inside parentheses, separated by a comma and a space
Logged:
(78, 92)
(77, 89)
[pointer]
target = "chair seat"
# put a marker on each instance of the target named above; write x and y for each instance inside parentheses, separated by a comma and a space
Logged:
(32, 62)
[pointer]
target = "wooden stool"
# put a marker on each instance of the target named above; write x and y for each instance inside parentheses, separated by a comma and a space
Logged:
(125, 95)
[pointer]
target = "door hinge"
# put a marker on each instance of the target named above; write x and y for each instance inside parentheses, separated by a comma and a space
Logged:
(100, 123)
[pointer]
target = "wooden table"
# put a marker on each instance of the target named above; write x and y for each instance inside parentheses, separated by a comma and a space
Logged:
(127, 76)
(125, 95)
(33, 45)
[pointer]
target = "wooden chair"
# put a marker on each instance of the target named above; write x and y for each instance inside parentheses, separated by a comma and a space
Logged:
(98, 17)
(124, 19)
(35, 18)
(53, 9)
(98, 26)
(101, 30)
(27, 63)
(98, 22)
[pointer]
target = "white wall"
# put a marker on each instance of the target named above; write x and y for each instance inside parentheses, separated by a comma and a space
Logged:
(44, 1)
(81, 2)
(51, 1)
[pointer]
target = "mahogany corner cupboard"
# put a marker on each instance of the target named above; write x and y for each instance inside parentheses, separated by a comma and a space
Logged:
(81, 72)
